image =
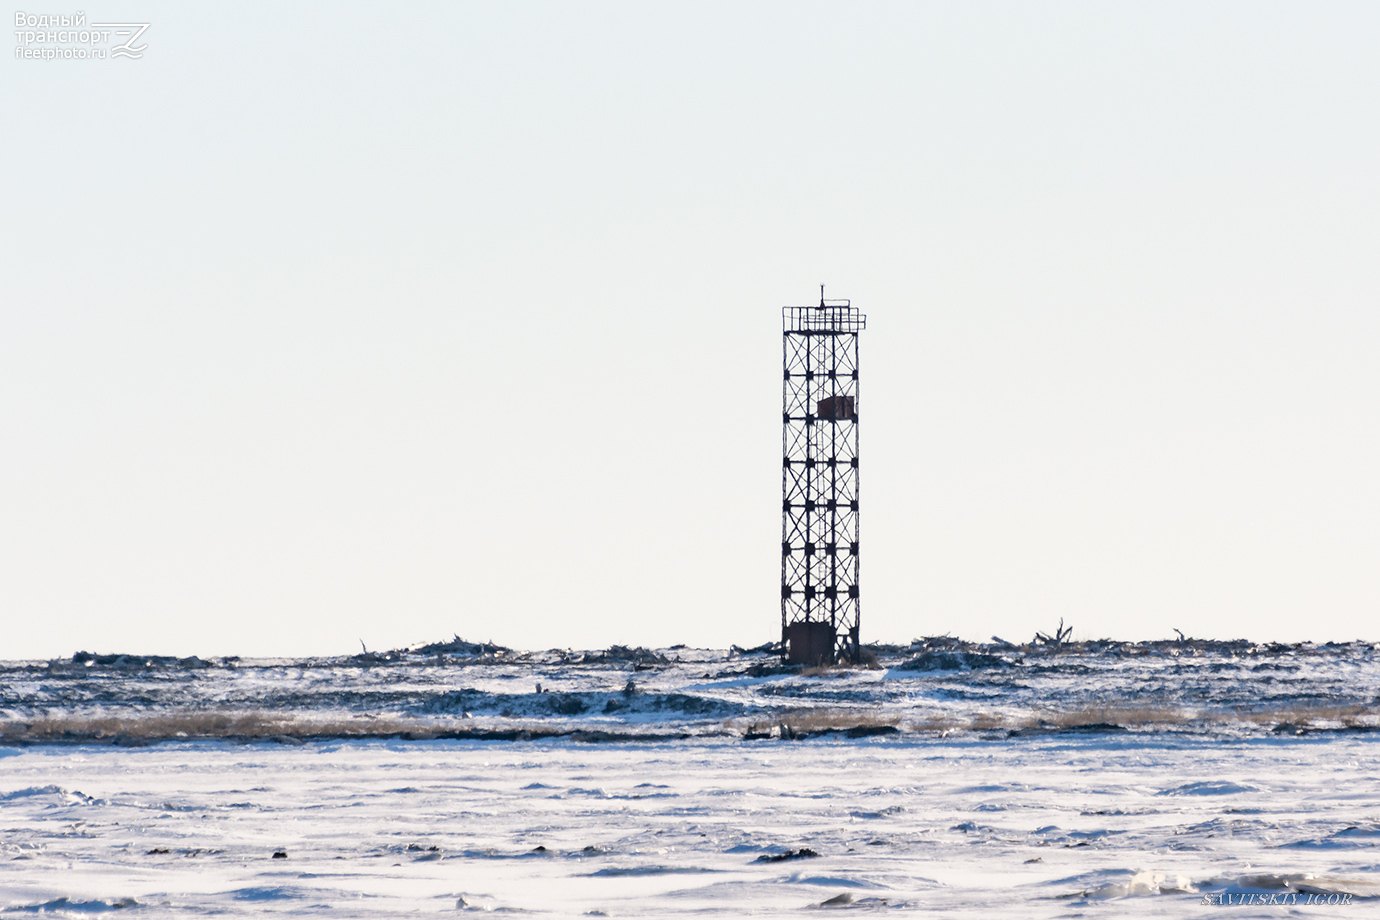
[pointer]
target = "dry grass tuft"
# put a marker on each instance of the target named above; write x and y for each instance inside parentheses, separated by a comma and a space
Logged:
(800, 723)
(831, 670)
(1355, 715)
(987, 721)
(837, 720)
(795, 723)
(1125, 716)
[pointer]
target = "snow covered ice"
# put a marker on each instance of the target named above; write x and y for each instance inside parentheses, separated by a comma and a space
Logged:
(1127, 781)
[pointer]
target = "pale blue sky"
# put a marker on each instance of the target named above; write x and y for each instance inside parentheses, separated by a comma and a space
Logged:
(325, 322)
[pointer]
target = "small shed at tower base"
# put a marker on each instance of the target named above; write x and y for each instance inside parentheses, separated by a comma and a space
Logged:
(810, 643)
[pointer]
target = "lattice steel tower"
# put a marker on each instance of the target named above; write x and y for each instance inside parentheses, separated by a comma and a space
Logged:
(819, 483)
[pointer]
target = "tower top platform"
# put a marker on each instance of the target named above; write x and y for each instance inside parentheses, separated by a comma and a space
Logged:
(829, 317)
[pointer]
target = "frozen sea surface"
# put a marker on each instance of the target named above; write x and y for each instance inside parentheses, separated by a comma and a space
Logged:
(1098, 780)
(1046, 827)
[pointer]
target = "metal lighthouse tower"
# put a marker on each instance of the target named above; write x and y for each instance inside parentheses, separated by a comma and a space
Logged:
(819, 483)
